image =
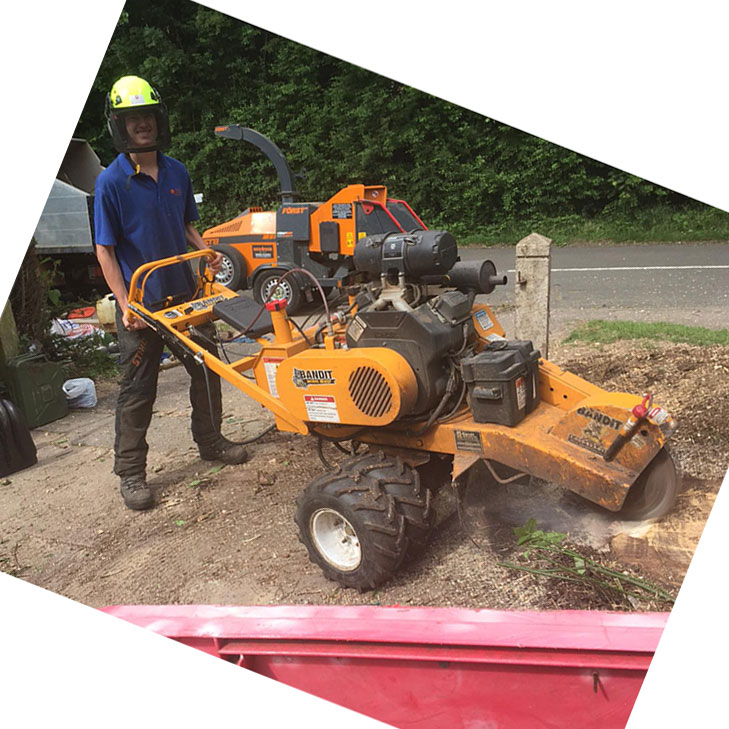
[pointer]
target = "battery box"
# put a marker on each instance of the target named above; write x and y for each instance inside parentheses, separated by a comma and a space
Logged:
(502, 381)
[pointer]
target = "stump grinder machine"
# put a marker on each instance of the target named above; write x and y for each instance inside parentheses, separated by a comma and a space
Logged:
(419, 374)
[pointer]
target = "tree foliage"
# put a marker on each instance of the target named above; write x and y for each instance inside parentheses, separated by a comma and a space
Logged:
(339, 124)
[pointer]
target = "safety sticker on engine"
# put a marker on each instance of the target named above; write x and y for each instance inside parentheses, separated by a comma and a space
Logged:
(356, 329)
(483, 320)
(495, 338)
(321, 408)
(468, 440)
(270, 367)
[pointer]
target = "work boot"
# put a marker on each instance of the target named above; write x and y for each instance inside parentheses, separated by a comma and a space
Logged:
(137, 495)
(224, 450)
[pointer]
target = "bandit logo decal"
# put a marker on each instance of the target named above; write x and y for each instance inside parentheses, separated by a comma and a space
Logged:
(599, 417)
(304, 378)
(586, 444)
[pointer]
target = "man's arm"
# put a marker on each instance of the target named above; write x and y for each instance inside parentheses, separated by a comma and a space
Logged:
(115, 281)
(195, 240)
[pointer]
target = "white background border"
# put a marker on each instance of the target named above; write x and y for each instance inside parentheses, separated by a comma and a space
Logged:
(639, 86)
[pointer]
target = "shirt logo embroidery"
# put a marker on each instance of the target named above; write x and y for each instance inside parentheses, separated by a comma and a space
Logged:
(175, 191)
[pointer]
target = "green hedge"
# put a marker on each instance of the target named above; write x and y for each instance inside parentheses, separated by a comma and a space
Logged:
(339, 124)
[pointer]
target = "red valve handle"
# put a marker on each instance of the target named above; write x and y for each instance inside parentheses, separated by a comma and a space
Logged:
(276, 305)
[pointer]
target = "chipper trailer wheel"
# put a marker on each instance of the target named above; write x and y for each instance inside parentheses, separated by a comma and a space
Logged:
(653, 495)
(362, 522)
(267, 287)
(233, 269)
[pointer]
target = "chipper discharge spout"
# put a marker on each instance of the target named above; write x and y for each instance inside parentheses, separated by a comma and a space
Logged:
(415, 370)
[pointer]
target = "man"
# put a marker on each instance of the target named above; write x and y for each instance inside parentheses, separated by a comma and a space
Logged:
(143, 211)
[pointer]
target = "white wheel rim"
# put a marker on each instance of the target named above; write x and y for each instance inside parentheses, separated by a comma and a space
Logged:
(335, 540)
(226, 271)
(270, 292)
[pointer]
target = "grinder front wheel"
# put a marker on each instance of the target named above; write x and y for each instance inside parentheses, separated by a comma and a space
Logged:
(360, 523)
(653, 495)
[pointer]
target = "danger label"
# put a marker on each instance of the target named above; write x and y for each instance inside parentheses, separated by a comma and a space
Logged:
(520, 394)
(657, 415)
(270, 367)
(321, 408)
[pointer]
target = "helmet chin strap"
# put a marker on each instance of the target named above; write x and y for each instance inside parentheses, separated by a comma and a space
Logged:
(143, 150)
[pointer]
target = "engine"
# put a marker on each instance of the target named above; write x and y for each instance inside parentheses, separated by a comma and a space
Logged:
(418, 302)
(417, 348)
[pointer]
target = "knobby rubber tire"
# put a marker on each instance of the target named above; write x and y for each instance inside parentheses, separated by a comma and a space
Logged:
(654, 493)
(412, 498)
(381, 497)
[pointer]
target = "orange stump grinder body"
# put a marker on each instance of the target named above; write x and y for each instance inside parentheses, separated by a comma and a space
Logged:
(416, 370)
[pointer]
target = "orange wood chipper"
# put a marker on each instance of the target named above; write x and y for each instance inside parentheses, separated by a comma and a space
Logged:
(259, 246)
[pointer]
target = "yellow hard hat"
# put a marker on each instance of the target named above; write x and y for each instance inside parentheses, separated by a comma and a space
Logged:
(132, 92)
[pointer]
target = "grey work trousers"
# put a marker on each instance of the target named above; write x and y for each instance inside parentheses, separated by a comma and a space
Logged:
(141, 351)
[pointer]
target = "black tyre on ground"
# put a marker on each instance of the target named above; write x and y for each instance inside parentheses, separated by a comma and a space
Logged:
(266, 283)
(233, 271)
(653, 495)
(360, 523)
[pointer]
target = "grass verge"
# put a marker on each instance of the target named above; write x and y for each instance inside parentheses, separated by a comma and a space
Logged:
(599, 331)
(654, 225)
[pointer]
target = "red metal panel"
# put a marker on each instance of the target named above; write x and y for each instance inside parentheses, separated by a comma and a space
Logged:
(433, 667)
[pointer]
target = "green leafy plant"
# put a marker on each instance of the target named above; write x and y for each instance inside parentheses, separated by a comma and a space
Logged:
(86, 356)
(545, 554)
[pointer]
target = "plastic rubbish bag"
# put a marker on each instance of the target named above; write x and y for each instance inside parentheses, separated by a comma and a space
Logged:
(72, 330)
(80, 392)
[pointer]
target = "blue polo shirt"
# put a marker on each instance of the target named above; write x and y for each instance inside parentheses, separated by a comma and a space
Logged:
(145, 221)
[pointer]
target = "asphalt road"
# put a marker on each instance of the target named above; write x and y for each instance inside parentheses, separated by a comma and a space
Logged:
(684, 283)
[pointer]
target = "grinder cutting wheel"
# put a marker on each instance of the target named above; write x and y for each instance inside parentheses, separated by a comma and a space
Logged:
(422, 375)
